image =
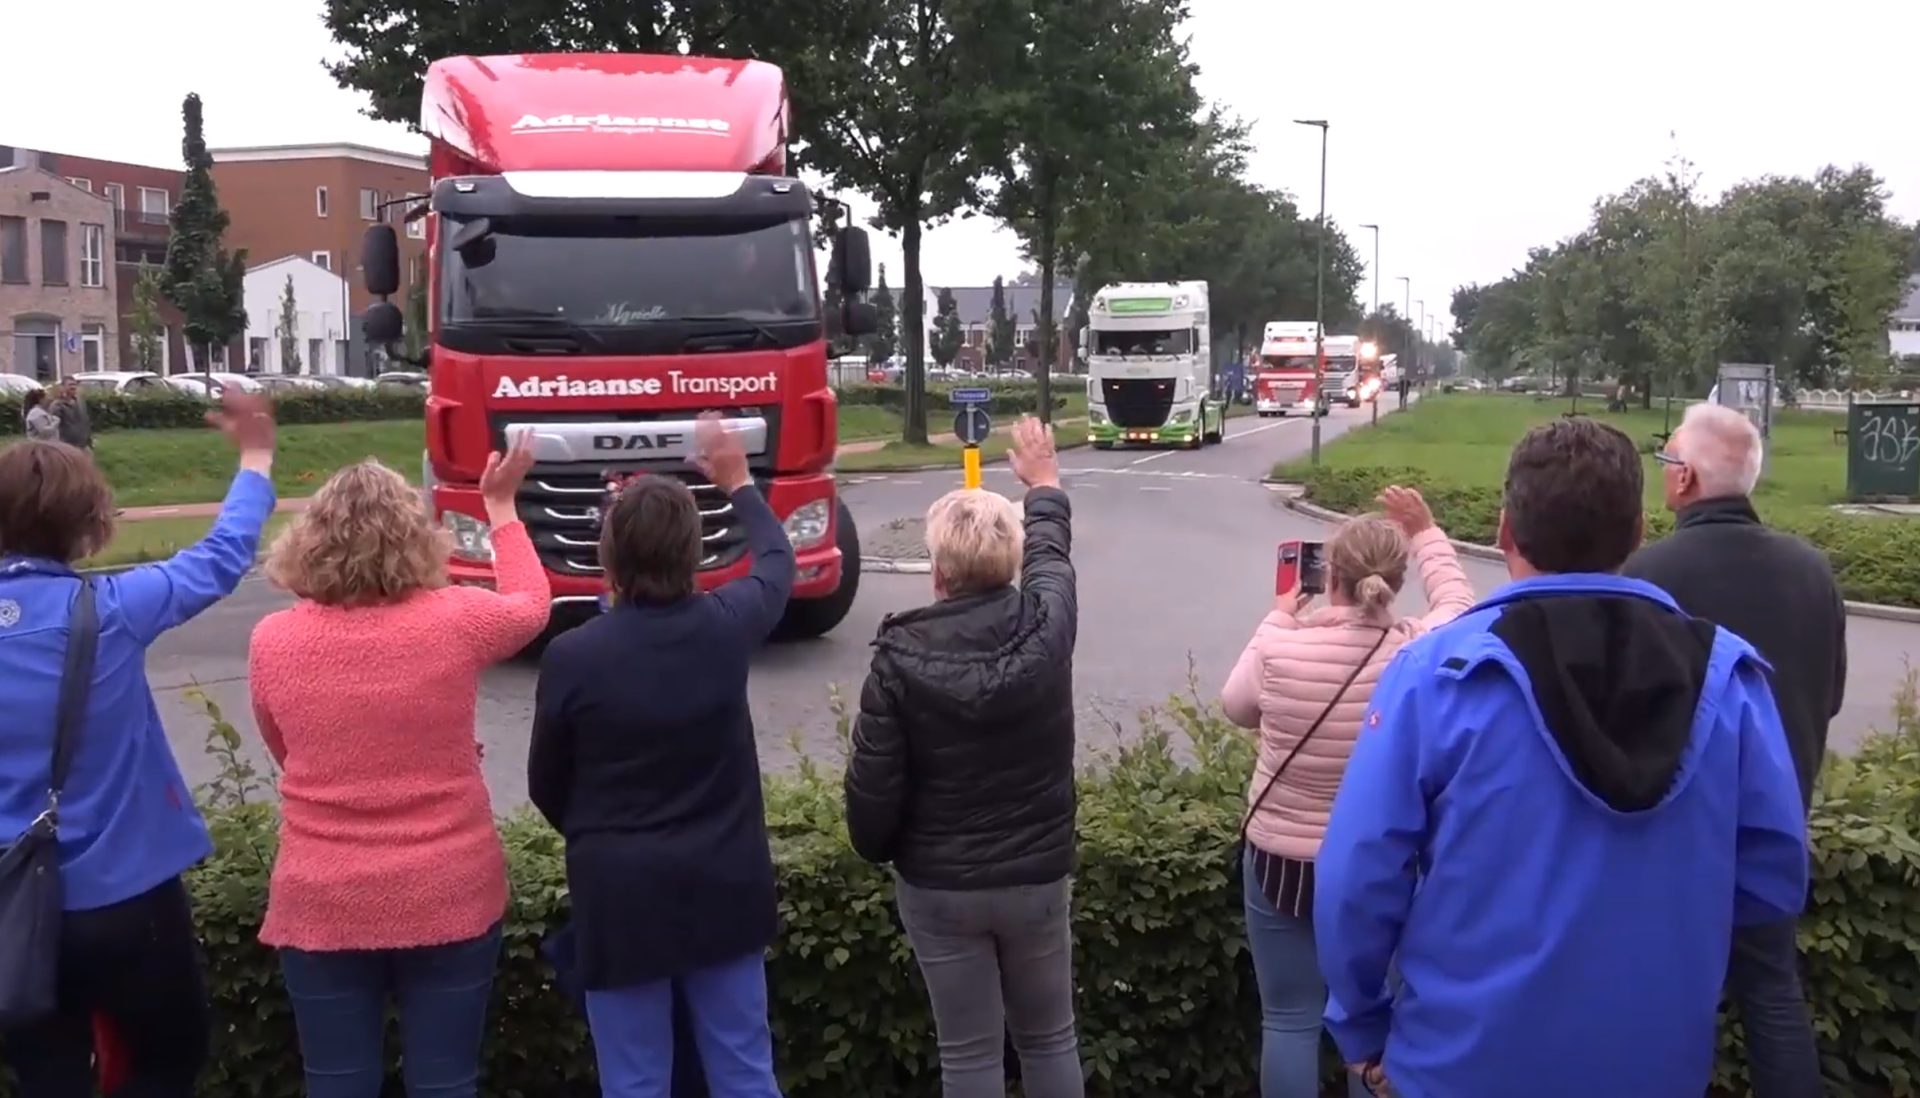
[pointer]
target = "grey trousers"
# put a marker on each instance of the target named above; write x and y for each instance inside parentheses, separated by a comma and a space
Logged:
(998, 963)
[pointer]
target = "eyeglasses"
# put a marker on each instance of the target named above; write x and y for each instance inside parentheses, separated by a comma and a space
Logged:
(1665, 458)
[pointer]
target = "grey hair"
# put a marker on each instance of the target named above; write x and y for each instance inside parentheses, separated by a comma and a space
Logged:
(1723, 449)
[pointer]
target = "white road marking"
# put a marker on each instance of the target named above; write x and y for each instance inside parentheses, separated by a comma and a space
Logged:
(1154, 457)
(1155, 488)
(1281, 422)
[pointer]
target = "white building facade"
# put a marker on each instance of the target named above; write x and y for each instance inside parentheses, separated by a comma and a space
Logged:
(321, 325)
(1903, 328)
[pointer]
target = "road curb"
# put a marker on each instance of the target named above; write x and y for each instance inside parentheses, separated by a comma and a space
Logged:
(896, 566)
(885, 470)
(1906, 614)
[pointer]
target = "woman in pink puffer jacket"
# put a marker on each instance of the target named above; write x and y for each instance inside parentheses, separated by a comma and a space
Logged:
(1291, 672)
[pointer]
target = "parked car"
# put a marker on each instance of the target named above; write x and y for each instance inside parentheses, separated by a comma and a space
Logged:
(17, 384)
(208, 386)
(121, 382)
(286, 383)
(409, 379)
(341, 381)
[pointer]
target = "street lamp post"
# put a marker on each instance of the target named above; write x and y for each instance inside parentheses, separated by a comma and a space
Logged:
(1406, 349)
(1319, 293)
(1420, 338)
(1376, 267)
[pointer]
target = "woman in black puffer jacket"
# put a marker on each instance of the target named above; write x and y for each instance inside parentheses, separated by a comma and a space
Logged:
(962, 778)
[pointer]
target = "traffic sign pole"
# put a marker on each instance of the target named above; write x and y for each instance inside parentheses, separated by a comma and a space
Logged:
(970, 462)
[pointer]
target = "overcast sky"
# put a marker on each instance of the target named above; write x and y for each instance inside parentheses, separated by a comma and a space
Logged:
(1513, 114)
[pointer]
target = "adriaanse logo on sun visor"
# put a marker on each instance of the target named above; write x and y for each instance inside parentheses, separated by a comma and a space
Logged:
(619, 123)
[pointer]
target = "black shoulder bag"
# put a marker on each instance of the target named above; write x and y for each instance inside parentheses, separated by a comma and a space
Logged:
(1247, 821)
(31, 893)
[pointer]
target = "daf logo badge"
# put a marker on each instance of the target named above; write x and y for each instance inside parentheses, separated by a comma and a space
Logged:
(639, 441)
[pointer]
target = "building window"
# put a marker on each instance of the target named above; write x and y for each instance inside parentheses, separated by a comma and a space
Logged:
(319, 202)
(93, 347)
(417, 228)
(13, 249)
(53, 252)
(153, 206)
(116, 194)
(340, 357)
(93, 254)
(84, 184)
(166, 350)
(323, 259)
(219, 358)
(369, 204)
(314, 365)
(257, 353)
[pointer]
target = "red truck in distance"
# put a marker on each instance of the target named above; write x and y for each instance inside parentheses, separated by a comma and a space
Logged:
(614, 247)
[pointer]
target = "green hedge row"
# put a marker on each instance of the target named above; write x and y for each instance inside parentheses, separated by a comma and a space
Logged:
(1010, 398)
(1873, 556)
(124, 413)
(1167, 1003)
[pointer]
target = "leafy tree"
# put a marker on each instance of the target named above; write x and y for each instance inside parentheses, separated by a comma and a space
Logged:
(287, 327)
(947, 335)
(202, 280)
(884, 343)
(145, 333)
(1001, 329)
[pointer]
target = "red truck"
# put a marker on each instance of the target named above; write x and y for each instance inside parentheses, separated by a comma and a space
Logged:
(615, 247)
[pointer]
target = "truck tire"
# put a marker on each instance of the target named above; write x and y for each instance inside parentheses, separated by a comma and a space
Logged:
(809, 618)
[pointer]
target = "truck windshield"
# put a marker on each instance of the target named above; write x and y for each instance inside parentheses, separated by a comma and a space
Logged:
(1178, 341)
(1336, 364)
(615, 273)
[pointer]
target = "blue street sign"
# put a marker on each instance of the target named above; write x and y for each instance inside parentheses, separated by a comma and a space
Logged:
(72, 342)
(971, 425)
(971, 396)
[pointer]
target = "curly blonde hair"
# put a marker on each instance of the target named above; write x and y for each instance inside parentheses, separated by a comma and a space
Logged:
(365, 540)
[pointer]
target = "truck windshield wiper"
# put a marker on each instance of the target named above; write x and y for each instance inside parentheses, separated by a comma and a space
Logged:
(535, 322)
(736, 324)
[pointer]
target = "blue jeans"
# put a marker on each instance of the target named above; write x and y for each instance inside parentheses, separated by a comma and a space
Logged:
(1293, 1000)
(727, 1005)
(1764, 977)
(339, 1008)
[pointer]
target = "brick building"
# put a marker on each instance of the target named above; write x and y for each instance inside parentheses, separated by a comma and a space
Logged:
(141, 198)
(57, 278)
(315, 202)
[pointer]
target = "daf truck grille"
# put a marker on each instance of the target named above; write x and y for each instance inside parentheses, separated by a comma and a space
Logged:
(562, 510)
(1137, 402)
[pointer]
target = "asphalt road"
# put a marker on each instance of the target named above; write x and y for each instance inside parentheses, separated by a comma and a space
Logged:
(1175, 558)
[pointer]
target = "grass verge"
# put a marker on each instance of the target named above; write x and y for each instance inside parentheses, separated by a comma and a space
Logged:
(896, 456)
(152, 468)
(147, 540)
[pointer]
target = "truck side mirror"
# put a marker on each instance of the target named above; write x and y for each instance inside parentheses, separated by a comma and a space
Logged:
(383, 323)
(853, 256)
(380, 261)
(857, 318)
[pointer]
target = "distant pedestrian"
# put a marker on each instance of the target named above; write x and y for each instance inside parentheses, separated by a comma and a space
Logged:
(643, 757)
(42, 422)
(389, 885)
(1777, 592)
(962, 778)
(124, 830)
(1304, 681)
(76, 425)
(1559, 809)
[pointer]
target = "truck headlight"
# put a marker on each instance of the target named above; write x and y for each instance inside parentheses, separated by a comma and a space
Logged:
(1096, 417)
(472, 539)
(809, 524)
(1182, 417)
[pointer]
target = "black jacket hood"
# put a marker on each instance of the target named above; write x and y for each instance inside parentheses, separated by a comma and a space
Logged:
(1617, 679)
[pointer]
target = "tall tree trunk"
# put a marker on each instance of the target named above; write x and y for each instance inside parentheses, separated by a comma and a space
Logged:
(1049, 229)
(914, 429)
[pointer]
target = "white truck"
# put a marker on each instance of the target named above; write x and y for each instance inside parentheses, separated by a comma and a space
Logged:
(1150, 366)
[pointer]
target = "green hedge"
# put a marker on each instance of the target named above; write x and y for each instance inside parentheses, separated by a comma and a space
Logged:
(121, 413)
(1873, 556)
(1167, 1004)
(1009, 398)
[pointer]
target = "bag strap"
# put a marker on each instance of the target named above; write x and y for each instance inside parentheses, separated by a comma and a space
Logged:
(1311, 729)
(76, 686)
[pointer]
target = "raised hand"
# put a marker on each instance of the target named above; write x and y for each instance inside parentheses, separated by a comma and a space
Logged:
(1408, 508)
(247, 421)
(500, 481)
(717, 453)
(1033, 457)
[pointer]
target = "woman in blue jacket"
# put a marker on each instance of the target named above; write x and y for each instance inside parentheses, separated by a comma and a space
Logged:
(128, 827)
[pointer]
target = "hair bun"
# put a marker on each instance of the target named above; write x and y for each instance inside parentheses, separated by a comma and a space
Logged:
(1373, 592)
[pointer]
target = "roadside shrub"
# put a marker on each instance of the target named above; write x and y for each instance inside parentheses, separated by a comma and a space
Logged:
(1873, 556)
(1010, 398)
(1166, 1004)
(126, 413)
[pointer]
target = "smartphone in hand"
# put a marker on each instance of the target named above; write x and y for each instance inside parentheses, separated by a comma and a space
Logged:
(1313, 567)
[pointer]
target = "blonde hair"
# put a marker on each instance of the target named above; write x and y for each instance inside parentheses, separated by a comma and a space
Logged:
(975, 538)
(1367, 559)
(364, 540)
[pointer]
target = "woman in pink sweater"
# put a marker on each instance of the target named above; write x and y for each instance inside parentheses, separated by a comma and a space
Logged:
(1304, 681)
(390, 882)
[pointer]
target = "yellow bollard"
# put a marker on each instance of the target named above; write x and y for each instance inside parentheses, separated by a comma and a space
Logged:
(970, 461)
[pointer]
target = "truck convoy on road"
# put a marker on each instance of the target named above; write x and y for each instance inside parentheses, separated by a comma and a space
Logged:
(1285, 380)
(615, 247)
(1150, 366)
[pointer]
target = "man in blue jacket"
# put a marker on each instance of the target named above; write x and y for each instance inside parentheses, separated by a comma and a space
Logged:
(1559, 808)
